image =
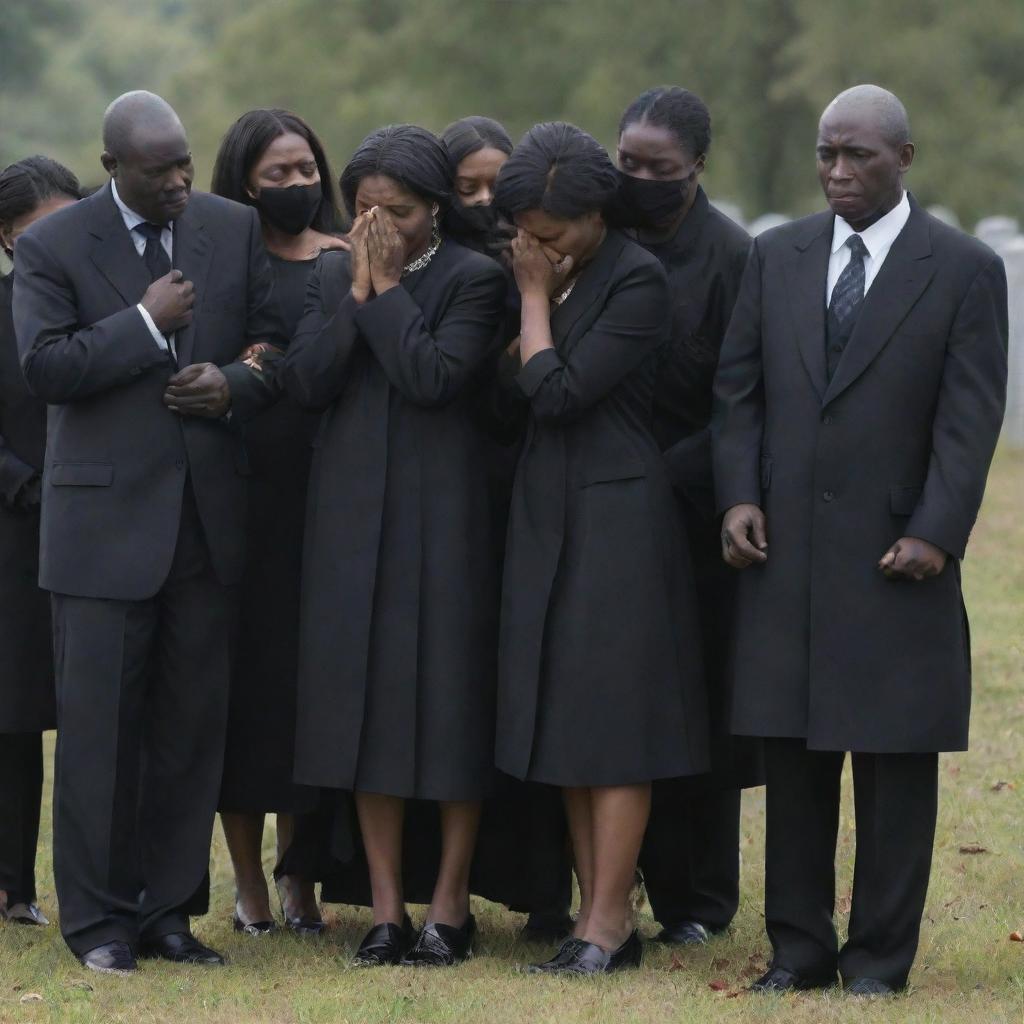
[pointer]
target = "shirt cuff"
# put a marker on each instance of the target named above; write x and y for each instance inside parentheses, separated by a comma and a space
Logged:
(536, 369)
(157, 336)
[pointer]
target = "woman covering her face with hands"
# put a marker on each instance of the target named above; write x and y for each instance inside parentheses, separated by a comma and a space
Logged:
(396, 677)
(600, 684)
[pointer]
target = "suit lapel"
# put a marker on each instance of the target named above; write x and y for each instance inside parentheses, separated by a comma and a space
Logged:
(899, 284)
(192, 253)
(113, 252)
(586, 291)
(806, 275)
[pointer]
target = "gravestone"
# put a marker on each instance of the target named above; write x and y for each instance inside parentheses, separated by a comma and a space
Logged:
(731, 210)
(767, 220)
(997, 231)
(945, 214)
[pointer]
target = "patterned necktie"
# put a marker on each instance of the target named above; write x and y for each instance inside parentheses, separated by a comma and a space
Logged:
(849, 290)
(155, 257)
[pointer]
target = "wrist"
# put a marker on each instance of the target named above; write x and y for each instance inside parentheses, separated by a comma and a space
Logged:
(386, 285)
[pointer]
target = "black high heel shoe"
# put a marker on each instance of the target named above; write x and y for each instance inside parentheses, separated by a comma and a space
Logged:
(385, 944)
(441, 945)
(254, 928)
(306, 926)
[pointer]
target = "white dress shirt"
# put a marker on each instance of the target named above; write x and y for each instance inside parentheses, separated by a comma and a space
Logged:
(877, 240)
(131, 218)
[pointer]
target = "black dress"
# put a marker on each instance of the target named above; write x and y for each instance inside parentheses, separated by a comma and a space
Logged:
(600, 679)
(260, 753)
(397, 662)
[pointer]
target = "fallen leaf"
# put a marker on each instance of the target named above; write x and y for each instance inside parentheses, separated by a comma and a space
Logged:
(1002, 784)
(973, 848)
(31, 997)
(676, 964)
(1016, 937)
(718, 985)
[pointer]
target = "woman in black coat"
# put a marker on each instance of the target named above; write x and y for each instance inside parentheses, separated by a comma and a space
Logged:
(272, 159)
(29, 190)
(600, 682)
(396, 676)
(690, 858)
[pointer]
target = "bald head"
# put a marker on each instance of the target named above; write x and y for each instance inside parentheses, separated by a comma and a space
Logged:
(876, 105)
(146, 152)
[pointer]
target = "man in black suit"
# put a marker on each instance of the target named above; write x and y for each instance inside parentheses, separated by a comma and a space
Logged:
(858, 402)
(143, 522)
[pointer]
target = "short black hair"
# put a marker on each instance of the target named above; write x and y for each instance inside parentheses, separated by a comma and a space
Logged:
(30, 182)
(470, 134)
(676, 109)
(247, 140)
(406, 153)
(558, 168)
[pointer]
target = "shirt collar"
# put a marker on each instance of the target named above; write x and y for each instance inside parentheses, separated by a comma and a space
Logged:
(131, 218)
(880, 235)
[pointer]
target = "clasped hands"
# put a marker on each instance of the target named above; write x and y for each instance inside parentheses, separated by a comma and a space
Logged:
(377, 254)
(745, 542)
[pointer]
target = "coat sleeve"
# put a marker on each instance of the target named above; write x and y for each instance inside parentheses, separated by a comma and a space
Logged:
(968, 415)
(253, 391)
(737, 424)
(431, 368)
(62, 360)
(630, 328)
(315, 366)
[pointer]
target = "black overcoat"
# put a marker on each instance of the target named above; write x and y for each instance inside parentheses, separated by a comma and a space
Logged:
(26, 675)
(600, 679)
(898, 443)
(399, 589)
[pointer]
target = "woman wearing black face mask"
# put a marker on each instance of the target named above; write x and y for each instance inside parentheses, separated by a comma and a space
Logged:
(272, 160)
(690, 857)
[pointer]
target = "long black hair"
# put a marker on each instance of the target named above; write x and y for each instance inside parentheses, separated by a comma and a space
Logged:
(28, 183)
(247, 140)
(558, 168)
(679, 111)
(469, 135)
(406, 153)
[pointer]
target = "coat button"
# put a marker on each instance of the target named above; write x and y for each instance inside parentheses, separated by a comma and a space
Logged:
(828, 496)
(827, 420)
(180, 464)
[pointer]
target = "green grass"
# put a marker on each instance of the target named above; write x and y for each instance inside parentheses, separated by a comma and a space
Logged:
(967, 968)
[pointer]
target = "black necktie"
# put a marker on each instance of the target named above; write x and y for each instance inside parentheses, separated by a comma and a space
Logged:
(155, 257)
(849, 290)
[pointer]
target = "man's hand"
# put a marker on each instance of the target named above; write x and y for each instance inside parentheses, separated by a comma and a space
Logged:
(198, 390)
(911, 558)
(168, 300)
(744, 540)
(31, 493)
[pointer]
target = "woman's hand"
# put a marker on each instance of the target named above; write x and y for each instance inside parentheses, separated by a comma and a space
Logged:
(535, 273)
(386, 251)
(362, 282)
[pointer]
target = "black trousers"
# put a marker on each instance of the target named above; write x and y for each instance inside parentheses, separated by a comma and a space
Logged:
(895, 798)
(21, 791)
(142, 696)
(691, 860)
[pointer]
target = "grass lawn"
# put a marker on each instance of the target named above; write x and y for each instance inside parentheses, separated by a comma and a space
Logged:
(967, 969)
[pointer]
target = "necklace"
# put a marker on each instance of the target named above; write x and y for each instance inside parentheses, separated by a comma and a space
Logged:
(421, 261)
(557, 300)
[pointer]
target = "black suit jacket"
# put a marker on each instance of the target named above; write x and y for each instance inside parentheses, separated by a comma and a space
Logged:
(898, 443)
(117, 458)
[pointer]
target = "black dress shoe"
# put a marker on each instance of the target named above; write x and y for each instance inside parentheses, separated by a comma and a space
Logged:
(110, 958)
(24, 913)
(562, 957)
(254, 928)
(180, 948)
(385, 944)
(547, 929)
(868, 987)
(441, 945)
(782, 979)
(588, 958)
(685, 933)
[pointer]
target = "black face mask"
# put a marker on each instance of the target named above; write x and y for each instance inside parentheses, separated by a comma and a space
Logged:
(478, 221)
(290, 209)
(647, 203)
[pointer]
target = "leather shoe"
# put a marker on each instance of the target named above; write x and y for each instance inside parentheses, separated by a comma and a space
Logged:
(782, 979)
(110, 958)
(868, 987)
(441, 945)
(685, 933)
(24, 913)
(562, 957)
(385, 944)
(588, 958)
(180, 948)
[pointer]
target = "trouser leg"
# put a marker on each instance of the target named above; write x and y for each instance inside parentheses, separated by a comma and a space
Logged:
(21, 790)
(896, 798)
(802, 827)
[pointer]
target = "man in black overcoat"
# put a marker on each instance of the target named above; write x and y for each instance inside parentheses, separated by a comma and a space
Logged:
(859, 397)
(143, 532)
